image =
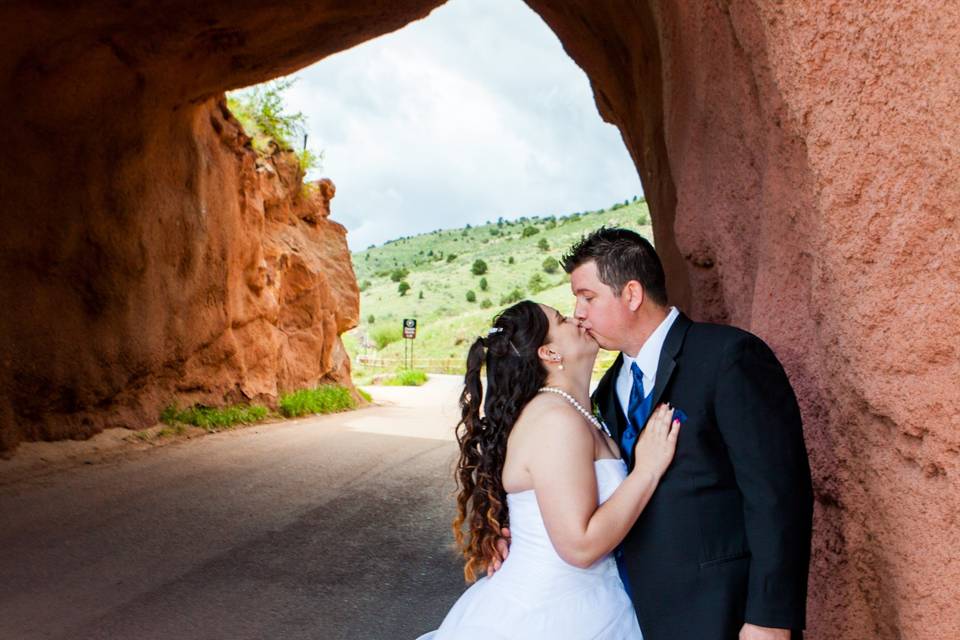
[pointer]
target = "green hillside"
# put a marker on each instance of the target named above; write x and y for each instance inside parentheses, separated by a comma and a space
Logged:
(439, 270)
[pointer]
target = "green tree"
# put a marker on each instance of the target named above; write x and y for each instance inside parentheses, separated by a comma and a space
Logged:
(530, 231)
(483, 284)
(510, 260)
(544, 244)
(536, 284)
(479, 267)
(399, 274)
(371, 319)
(403, 288)
(471, 296)
(550, 265)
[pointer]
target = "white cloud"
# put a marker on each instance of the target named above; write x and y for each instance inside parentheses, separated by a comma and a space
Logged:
(473, 113)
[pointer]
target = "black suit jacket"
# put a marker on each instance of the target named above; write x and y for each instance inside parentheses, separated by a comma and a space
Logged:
(726, 536)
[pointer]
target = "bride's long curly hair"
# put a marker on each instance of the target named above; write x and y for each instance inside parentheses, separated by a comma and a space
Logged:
(514, 374)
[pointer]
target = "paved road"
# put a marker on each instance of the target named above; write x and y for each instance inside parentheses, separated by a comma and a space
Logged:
(328, 527)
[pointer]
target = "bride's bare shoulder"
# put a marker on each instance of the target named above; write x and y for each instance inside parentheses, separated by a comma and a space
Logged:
(548, 416)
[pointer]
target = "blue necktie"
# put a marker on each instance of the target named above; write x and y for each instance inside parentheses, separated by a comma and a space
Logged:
(638, 410)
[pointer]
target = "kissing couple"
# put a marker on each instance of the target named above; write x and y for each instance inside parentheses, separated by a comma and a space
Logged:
(680, 508)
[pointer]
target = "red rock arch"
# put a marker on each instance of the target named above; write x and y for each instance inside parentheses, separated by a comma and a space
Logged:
(800, 161)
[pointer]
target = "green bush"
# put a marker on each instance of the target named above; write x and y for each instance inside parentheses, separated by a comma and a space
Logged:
(399, 274)
(529, 231)
(514, 296)
(479, 267)
(510, 260)
(536, 284)
(328, 398)
(386, 335)
(550, 265)
(214, 418)
(403, 288)
(544, 244)
(260, 110)
(483, 284)
(451, 257)
(471, 296)
(406, 378)
(486, 303)
(371, 319)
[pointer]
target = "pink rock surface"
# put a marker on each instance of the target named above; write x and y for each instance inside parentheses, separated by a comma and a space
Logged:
(800, 160)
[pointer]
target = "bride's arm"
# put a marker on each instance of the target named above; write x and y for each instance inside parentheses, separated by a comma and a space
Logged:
(566, 488)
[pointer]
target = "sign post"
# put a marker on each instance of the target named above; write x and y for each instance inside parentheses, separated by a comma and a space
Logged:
(409, 333)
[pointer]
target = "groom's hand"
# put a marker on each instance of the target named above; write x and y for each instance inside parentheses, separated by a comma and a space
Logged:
(753, 632)
(503, 549)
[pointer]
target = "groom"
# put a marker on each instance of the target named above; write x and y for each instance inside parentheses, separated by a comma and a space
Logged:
(722, 549)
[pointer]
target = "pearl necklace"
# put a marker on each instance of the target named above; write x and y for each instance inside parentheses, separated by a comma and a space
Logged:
(592, 419)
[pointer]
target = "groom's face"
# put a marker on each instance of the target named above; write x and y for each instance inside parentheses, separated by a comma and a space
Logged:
(604, 315)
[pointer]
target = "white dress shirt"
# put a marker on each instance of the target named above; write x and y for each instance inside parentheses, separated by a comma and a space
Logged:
(647, 359)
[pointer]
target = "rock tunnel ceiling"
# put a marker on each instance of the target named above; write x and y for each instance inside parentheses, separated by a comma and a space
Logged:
(799, 189)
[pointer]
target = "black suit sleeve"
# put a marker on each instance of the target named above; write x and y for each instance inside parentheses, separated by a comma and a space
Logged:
(759, 420)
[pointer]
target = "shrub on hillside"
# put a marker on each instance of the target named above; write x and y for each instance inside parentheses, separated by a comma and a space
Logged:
(550, 265)
(544, 244)
(530, 231)
(403, 287)
(399, 274)
(386, 335)
(479, 267)
(451, 257)
(483, 284)
(471, 296)
(486, 303)
(514, 296)
(536, 284)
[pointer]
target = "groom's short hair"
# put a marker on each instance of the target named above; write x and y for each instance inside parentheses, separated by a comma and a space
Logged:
(621, 255)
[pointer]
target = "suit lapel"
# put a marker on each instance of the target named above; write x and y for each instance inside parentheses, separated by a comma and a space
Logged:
(668, 355)
(606, 399)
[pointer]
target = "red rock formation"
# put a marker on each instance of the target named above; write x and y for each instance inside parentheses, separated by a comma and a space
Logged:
(801, 164)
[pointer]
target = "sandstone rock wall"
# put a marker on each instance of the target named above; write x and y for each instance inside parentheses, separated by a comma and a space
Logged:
(801, 164)
(801, 161)
(190, 270)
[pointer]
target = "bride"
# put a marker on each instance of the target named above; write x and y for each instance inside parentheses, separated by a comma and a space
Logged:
(537, 461)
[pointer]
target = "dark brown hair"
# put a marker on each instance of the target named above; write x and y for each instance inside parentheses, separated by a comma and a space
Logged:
(621, 255)
(514, 375)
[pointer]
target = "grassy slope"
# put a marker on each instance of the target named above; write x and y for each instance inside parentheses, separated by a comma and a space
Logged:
(447, 323)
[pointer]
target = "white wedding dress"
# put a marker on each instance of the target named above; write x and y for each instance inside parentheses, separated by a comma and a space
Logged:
(536, 595)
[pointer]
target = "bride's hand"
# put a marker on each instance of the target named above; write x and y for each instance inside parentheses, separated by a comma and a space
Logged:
(657, 442)
(503, 549)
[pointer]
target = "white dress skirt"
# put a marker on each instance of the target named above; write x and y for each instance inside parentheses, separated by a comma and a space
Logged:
(536, 595)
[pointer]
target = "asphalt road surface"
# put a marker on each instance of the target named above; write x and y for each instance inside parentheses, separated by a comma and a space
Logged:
(327, 527)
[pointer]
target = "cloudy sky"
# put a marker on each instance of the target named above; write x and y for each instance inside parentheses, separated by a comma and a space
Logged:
(473, 113)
